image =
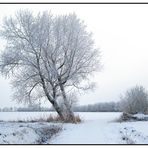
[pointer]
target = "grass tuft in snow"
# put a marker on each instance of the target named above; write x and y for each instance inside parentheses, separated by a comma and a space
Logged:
(74, 120)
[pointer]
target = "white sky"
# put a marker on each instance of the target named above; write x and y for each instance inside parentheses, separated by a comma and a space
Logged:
(120, 31)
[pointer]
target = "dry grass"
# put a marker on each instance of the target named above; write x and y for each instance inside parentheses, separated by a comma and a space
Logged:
(75, 120)
(51, 118)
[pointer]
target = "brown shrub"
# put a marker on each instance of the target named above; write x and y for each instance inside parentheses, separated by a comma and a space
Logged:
(75, 120)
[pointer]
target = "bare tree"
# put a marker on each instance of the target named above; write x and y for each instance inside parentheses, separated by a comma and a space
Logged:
(135, 100)
(47, 56)
(79, 58)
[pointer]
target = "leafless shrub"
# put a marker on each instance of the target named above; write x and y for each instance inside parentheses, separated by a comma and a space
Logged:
(135, 100)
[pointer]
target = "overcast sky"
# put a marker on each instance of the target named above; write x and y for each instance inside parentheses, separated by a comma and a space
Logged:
(121, 33)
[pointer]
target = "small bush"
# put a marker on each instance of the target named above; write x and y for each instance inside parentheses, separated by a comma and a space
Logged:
(126, 117)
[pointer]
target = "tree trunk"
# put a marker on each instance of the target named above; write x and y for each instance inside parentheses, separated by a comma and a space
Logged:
(54, 103)
(58, 109)
(70, 114)
(51, 99)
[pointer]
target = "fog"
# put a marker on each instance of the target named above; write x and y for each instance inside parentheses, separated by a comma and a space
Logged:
(119, 31)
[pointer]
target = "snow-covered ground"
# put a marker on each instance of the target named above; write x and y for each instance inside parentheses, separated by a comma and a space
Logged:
(27, 133)
(96, 128)
(101, 128)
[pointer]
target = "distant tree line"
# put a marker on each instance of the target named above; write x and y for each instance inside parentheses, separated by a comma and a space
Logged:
(25, 109)
(99, 107)
(134, 100)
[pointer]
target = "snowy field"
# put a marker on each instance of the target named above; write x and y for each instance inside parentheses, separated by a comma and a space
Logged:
(96, 128)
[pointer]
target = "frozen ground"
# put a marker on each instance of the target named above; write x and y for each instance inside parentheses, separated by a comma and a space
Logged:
(96, 128)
